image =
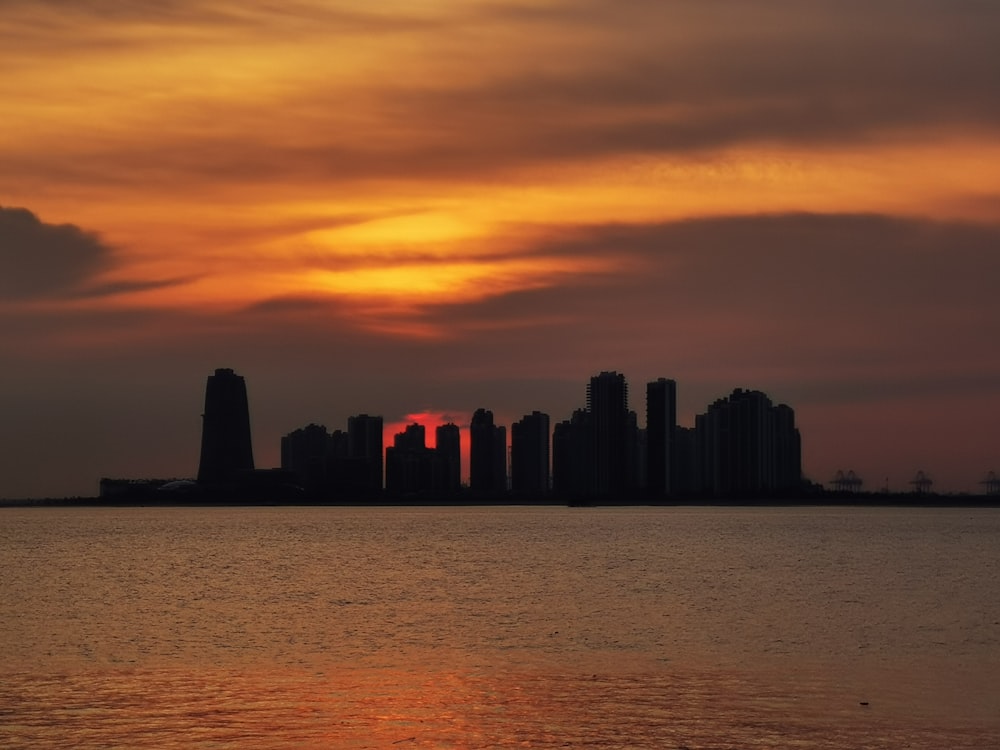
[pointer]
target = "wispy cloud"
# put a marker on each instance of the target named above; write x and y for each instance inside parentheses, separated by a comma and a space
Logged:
(790, 294)
(474, 92)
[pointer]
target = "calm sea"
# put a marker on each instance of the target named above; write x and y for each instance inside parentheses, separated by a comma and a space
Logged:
(499, 627)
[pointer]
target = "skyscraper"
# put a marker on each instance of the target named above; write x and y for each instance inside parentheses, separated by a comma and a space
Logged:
(607, 402)
(226, 450)
(571, 456)
(306, 454)
(661, 426)
(365, 440)
(407, 462)
(529, 455)
(448, 444)
(487, 455)
(747, 446)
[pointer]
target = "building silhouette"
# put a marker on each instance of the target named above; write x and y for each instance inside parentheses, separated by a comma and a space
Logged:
(336, 465)
(612, 435)
(661, 443)
(226, 450)
(747, 447)
(787, 450)
(529, 455)
(687, 478)
(405, 460)
(742, 446)
(306, 453)
(487, 455)
(411, 468)
(571, 456)
(364, 434)
(448, 443)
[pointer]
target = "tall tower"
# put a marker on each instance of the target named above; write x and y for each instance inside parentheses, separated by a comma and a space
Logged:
(661, 426)
(487, 454)
(365, 441)
(607, 402)
(225, 430)
(571, 456)
(747, 446)
(529, 455)
(448, 444)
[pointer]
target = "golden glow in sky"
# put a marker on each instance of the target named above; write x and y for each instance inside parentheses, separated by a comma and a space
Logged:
(211, 129)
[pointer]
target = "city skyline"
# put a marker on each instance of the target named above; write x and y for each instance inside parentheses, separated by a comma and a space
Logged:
(741, 446)
(399, 210)
(226, 439)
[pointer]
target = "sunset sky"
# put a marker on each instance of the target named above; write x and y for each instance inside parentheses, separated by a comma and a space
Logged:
(427, 207)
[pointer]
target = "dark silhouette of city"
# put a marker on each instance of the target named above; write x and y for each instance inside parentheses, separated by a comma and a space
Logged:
(741, 448)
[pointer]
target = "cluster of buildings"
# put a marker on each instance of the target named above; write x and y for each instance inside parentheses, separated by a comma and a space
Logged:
(742, 446)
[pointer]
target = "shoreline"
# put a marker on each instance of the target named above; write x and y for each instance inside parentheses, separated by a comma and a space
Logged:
(831, 500)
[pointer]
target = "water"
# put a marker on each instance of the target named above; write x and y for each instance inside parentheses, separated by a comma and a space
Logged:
(499, 627)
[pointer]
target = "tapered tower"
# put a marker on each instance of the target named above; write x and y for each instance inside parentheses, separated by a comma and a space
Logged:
(226, 450)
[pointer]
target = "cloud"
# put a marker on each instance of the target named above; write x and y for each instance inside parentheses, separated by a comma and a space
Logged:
(674, 78)
(290, 304)
(39, 259)
(787, 298)
(61, 26)
(125, 286)
(479, 91)
(59, 261)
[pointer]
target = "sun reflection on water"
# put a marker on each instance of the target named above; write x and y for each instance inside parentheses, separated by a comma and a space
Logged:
(346, 707)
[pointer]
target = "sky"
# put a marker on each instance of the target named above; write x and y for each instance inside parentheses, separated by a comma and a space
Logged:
(416, 209)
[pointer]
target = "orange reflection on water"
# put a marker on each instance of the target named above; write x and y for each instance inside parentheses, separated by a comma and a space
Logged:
(409, 706)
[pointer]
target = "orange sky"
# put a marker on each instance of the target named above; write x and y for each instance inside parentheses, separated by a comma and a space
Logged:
(440, 206)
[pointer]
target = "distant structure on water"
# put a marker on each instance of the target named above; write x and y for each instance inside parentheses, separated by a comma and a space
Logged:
(921, 483)
(991, 483)
(846, 482)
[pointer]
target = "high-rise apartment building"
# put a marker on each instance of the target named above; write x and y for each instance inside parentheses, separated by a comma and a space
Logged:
(364, 434)
(487, 455)
(661, 427)
(449, 444)
(305, 452)
(571, 450)
(529, 455)
(607, 402)
(747, 446)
